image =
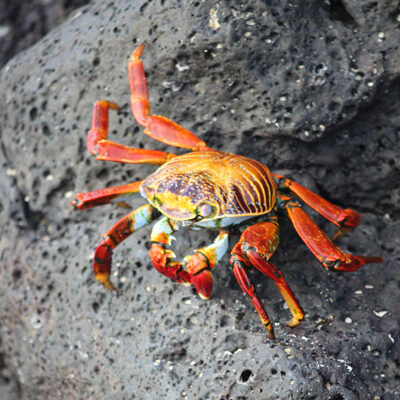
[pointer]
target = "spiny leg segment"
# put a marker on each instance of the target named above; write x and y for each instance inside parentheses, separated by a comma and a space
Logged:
(196, 269)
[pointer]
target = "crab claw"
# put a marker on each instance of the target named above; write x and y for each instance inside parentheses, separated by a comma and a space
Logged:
(203, 283)
(162, 261)
(198, 266)
(102, 264)
(160, 256)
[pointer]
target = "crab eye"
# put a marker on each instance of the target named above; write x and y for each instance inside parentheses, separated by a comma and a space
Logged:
(205, 210)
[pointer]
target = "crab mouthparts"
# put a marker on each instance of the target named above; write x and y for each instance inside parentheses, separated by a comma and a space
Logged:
(178, 214)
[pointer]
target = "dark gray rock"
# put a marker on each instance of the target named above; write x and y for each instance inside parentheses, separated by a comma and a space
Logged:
(309, 89)
(24, 22)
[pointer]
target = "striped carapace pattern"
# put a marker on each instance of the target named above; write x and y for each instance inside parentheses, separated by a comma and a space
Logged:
(240, 186)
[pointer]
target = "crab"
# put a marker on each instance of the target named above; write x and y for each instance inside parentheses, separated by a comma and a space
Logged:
(208, 189)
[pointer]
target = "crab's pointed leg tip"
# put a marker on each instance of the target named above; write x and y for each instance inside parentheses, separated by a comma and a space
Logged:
(76, 203)
(109, 285)
(337, 235)
(114, 106)
(270, 329)
(271, 335)
(137, 53)
(294, 322)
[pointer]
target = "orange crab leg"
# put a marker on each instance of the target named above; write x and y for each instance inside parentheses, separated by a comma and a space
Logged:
(119, 232)
(107, 150)
(157, 127)
(345, 219)
(105, 196)
(331, 256)
(256, 246)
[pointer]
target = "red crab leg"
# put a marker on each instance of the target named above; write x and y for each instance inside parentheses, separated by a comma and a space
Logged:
(247, 287)
(107, 150)
(157, 127)
(272, 272)
(256, 246)
(331, 256)
(196, 271)
(105, 196)
(119, 232)
(345, 219)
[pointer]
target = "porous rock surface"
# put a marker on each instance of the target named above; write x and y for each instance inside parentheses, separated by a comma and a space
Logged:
(310, 88)
(24, 22)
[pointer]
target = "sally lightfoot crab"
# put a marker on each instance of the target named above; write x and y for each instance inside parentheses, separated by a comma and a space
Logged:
(208, 189)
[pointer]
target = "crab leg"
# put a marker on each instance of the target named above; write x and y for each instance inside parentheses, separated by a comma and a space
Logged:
(196, 269)
(247, 287)
(105, 196)
(157, 127)
(119, 232)
(345, 219)
(104, 149)
(331, 256)
(256, 246)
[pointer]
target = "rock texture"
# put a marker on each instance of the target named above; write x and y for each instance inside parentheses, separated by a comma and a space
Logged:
(310, 88)
(24, 22)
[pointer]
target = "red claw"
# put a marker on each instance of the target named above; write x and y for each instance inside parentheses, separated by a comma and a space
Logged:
(102, 264)
(196, 263)
(161, 259)
(203, 283)
(198, 267)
